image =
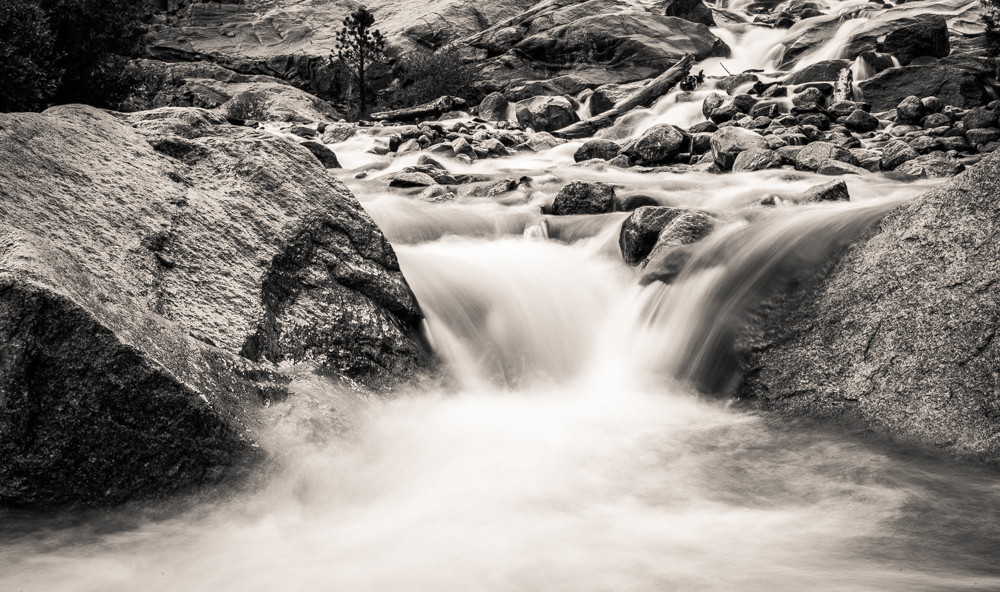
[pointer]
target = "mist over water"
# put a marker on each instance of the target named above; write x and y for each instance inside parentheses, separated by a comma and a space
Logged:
(582, 439)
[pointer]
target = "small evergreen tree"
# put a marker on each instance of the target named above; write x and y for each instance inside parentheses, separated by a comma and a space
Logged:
(359, 46)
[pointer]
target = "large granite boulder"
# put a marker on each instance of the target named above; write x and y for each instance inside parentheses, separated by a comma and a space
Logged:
(209, 86)
(899, 335)
(575, 45)
(957, 81)
(156, 271)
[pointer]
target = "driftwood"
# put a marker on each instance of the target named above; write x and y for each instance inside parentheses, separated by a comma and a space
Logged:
(641, 98)
(435, 108)
(844, 89)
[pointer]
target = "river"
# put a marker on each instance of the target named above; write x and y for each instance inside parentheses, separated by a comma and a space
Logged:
(569, 446)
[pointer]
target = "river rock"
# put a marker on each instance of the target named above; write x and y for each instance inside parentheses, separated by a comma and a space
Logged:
(728, 142)
(861, 121)
(979, 118)
(641, 230)
(898, 335)
(151, 284)
(338, 132)
(324, 155)
(690, 10)
(756, 159)
(832, 191)
(494, 107)
(673, 249)
(659, 144)
(602, 149)
(931, 166)
(910, 110)
(411, 179)
(896, 153)
(582, 197)
(546, 114)
(957, 82)
(982, 136)
(835, 168)
(825, 71)
(814, 154)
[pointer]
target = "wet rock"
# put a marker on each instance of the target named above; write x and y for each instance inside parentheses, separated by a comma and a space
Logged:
(711, 103)
(809, 98)
(495, 189)
(979, 118)
(602, 149)
(931, 166)
(436, 194)
(636, 201)
(731, 83)
(896, 153)
(335, 133)
(690, 10)
(909, 110)
(898, 334)
(756, 159)
(726, 112)
(582, 197)
(461, 146)
(325, 156)
(409, 146)
(607, 95)
(641, 230)
(837, 168)
(494, 147)
(860, 121)
(846, 108)
(411, 180)
(146, 300)
(494, 107)
(927, 36)
(546, 114)
(935, 120)
(621, 161)
(728, 142)
(659, 144)
(956, 81)
(832, 191)
(982, 136)
(925, 144)
(672, 251)
(814, 154)
(825, 71)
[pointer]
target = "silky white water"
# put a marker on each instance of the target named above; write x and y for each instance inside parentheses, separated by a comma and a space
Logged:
(583, 438)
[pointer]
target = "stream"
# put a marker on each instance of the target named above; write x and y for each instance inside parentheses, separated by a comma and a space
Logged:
(569, 446)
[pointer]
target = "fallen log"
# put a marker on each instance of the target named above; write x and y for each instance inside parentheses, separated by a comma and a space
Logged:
(843, 90)
(641, 98)
(435, 108)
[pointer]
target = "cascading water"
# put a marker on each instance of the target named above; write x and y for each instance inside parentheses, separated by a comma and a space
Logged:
(569, 448)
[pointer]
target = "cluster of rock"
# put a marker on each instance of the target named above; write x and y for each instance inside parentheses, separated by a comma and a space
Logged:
(750, 132)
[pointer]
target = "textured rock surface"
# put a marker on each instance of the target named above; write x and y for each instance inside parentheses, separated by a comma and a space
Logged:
(900, 335)
(152, 278)
(582, 197)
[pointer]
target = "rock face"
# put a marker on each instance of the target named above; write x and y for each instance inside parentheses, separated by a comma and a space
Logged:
(956, 81)
(207, 85)
(900, 335)
(293, 40)
(575, 45)
(153, 278)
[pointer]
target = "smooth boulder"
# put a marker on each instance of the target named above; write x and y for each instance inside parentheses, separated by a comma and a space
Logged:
(582, 197)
